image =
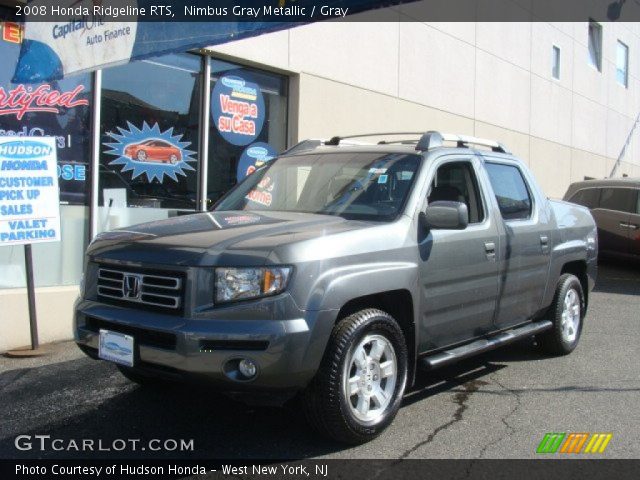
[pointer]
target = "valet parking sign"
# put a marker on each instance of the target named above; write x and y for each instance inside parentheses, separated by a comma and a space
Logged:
(29, 207)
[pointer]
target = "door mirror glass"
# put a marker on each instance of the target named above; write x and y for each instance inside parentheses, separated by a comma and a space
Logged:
(443, 215)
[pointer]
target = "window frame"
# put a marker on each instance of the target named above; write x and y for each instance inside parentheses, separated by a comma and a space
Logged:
(479, 189)
(525, 179)
(595, 27)
(625, 47)
(556, 62)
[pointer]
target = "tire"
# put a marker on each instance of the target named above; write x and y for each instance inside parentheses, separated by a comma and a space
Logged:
(139, 378)
(173, 159)
(567, 313)
(343, 417)
(141, 155)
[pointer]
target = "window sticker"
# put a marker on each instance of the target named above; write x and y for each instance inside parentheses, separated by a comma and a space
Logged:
(150, 152)
(383, 178)
(238, 110)
(254, 156)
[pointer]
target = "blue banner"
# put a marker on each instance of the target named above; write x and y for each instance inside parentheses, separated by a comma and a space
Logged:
(81, 36)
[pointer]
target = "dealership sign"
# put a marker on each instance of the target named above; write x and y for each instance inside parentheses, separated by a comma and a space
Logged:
(237, 107)
(253, 157)
(24, 99)
(150, 152)
(29, 208)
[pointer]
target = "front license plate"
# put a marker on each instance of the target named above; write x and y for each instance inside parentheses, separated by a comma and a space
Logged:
(116, 347)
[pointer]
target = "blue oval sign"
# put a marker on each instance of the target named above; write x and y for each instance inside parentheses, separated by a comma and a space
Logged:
(237, 108)
(254, 157)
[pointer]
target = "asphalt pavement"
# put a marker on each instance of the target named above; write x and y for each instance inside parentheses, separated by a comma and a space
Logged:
(498, 405)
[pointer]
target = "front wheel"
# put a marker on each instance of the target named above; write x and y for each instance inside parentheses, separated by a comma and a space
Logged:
(360, 383)
(567, 312)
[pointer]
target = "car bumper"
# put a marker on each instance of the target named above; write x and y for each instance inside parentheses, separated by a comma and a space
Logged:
(287, 352)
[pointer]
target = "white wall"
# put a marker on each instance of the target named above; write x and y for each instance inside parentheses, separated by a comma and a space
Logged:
(491, 79)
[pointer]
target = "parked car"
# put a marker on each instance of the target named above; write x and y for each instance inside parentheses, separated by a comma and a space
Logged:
(615, 206)
(336, 271)
(153, 150)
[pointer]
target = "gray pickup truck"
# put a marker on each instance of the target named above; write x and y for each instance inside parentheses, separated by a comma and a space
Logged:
(336, 270)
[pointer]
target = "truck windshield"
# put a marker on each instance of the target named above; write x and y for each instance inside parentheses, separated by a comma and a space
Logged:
(362, 186)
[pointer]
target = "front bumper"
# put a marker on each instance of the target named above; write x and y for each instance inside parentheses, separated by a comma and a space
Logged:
(287, 351)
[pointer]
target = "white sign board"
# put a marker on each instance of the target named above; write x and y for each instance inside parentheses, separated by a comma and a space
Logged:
(29, 197)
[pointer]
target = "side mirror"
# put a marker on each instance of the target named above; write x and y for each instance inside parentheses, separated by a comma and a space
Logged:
(446, 216)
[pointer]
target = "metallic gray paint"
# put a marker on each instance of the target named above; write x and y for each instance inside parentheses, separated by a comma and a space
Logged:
(460, 290)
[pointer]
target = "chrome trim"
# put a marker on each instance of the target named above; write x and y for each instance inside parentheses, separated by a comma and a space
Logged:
(111, 285)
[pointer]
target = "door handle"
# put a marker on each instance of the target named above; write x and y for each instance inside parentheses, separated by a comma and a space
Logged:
(544, 243)
(490, 250)
(625, 225)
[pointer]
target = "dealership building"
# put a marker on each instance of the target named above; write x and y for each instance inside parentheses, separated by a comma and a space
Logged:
(151, 139)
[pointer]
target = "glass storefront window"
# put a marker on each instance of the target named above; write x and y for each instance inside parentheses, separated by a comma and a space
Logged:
(56, 263)
(248, 123)
(149, 136)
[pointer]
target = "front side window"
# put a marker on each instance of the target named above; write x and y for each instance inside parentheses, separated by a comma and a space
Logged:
(587, 197)
(622, 64)
(595, 45)
(511, 191)
(366, 186)
(618, 199)
(456, 182)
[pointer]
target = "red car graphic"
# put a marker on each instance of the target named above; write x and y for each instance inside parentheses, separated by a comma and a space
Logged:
(153, 151)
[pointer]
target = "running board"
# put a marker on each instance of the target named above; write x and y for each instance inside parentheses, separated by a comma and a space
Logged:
(446, 357)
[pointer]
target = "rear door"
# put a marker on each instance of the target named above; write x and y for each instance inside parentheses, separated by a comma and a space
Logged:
(613, 217)
(524, 257)
(458, 271)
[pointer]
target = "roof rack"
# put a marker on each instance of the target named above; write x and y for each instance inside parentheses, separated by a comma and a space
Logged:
(426, 141)
(434, 139)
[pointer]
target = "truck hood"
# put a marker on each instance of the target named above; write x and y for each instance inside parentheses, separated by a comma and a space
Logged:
(230, 238)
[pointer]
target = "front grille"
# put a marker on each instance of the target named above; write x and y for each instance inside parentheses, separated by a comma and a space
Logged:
(148, 288)
(152, 338)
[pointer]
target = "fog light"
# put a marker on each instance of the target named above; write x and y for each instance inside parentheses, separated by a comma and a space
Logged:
(247, 368)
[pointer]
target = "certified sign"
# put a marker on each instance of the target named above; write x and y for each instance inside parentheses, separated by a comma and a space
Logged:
(29, 207)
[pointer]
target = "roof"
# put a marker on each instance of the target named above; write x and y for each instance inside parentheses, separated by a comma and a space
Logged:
(608, 182)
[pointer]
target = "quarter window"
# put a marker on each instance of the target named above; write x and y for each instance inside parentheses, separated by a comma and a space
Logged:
(618, 199)
(511, 191)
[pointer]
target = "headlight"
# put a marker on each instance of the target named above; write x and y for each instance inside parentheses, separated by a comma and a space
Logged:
(245, 283)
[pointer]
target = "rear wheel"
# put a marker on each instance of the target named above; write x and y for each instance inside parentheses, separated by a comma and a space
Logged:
(359, 387)
(567, 313)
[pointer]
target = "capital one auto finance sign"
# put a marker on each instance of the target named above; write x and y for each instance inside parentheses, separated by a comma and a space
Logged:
(237, 108)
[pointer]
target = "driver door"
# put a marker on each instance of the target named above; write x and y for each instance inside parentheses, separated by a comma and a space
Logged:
(458, 269)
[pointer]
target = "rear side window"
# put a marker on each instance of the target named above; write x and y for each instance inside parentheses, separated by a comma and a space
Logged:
(587, 197)
(619, 199)
(511, 191)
